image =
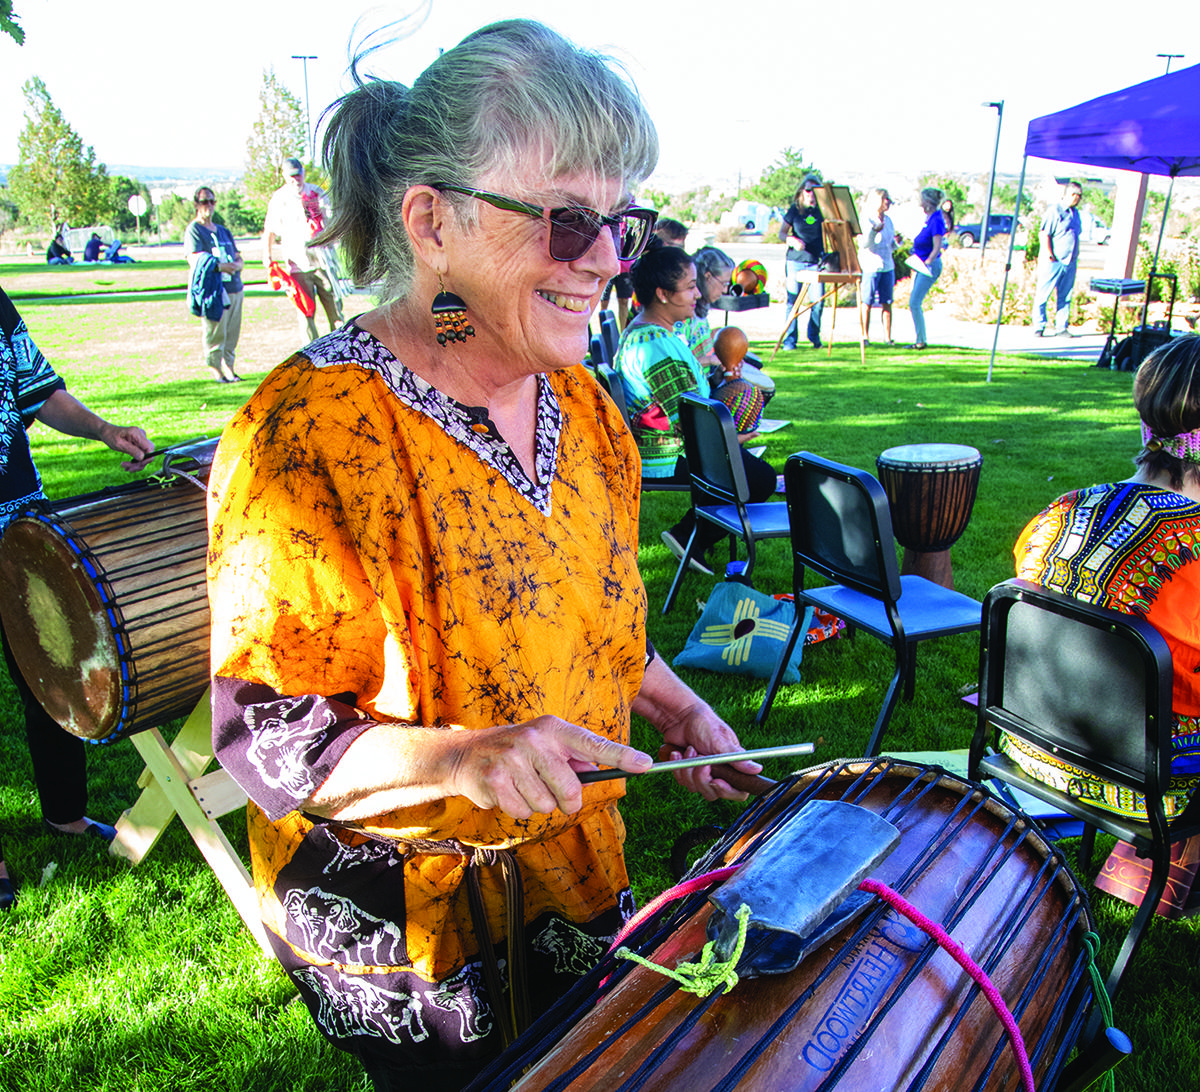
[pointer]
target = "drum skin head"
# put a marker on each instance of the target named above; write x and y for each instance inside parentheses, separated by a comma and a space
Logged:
(58, 629)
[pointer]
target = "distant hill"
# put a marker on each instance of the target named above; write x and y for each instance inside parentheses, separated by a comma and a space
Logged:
(161, 177)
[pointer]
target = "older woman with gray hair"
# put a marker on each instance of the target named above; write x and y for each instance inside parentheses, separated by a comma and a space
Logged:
(427, 617)
(714, 270)
(927, 250)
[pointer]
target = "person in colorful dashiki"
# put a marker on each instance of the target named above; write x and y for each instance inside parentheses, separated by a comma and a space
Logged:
(30, 390)
(656, 366)
(1134, 546)
(427, 615)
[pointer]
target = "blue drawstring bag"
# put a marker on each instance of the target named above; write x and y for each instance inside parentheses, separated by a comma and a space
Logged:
(742, 632)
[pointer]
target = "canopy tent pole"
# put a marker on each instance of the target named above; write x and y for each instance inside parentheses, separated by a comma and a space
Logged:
(1012, 239)
(1158, 248)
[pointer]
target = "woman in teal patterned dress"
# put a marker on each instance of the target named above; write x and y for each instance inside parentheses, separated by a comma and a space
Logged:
(656, 366)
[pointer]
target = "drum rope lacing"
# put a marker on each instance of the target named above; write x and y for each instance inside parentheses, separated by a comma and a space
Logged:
(1049, 1037)
(704, 976)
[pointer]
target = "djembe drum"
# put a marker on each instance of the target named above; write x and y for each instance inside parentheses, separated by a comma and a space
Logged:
(931, 490)
(104, 600)
(872, 1003)
(744, 400)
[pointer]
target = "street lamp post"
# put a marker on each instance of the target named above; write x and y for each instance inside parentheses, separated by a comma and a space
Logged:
(987, 212)
(1170, 57)
(312, 151)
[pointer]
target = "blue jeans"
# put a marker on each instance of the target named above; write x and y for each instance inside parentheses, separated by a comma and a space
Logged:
(793, 269)
(921, 286)
(1057, 280)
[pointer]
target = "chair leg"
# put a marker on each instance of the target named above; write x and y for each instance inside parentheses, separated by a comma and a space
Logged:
(885, 714)
(910, 670)
(1158, 881)
(1087, 843)
(683, 564)
(748, 571)
(785, 656)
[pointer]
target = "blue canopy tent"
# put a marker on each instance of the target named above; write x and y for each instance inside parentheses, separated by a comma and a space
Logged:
(1151, 127)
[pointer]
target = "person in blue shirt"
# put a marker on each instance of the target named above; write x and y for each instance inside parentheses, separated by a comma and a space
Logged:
(927, 266)
(1057, 260)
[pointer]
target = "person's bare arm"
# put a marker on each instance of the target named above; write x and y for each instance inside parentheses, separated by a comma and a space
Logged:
(522, 769)
(64, 413)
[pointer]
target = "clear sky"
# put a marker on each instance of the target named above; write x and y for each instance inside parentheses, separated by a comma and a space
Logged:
(859, 87)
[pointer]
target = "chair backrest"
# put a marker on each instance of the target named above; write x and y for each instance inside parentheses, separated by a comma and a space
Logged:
(597, 354)
(611, 382)
(841, 525)
(1089, 685)
(714, 456)
(609, 334)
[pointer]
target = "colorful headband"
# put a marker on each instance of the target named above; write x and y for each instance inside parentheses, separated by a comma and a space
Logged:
(1184, 446)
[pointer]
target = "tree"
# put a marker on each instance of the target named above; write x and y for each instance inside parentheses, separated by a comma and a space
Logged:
(953, 188)
(56, 178)
(1004, 197)
(777, 185)
(278, 132)
(9, 24)
(120, 190)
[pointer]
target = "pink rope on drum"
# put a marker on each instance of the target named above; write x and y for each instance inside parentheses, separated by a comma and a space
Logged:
(679, 891)
(959, 953)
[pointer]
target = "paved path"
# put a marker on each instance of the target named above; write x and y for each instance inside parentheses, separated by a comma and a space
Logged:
(942, 328)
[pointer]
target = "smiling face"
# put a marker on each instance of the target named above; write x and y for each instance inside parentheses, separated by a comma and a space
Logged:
(530, 310)
(679, 303)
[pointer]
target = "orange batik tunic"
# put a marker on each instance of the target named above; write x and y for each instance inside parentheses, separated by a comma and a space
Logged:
(378, 554)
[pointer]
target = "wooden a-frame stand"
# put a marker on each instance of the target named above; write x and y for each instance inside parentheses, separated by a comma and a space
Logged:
(175, 782)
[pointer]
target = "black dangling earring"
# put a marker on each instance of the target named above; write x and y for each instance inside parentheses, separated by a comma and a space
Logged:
(450, 317)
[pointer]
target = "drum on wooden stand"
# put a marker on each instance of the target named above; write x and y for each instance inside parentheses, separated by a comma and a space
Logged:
(931, 490)
(875, 1005)
(104, 600)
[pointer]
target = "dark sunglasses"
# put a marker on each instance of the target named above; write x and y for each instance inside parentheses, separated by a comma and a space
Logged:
(207, 201)
(574, 230)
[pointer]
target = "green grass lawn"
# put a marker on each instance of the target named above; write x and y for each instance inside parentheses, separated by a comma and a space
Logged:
(142, 979)
(26, 279)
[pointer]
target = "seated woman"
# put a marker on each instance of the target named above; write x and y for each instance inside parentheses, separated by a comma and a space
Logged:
(1106, 545)
(657, 366)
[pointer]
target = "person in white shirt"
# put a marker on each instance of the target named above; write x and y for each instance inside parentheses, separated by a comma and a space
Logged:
(296, 212)
(876, 260)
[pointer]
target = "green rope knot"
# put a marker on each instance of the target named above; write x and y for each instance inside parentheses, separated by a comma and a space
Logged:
(1091, 945)
(704, 976)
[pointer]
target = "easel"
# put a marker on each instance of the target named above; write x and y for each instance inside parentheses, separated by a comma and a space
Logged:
(838, 230)
(175, 782)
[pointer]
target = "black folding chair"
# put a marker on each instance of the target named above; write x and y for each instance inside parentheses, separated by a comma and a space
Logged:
(841, 527)
(720, 494)
(1092, 687)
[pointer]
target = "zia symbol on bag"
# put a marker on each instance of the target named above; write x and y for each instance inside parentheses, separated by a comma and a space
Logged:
(740, 633)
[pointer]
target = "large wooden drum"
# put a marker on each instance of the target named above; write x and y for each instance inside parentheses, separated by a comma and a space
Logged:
(878, 1005)
(931, 490)
(104, 601)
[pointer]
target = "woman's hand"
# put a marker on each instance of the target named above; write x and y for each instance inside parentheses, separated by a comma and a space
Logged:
(689, 727)
(530, 768)
(699, 731)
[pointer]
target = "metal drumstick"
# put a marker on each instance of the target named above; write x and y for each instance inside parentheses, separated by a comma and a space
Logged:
(703, 760)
